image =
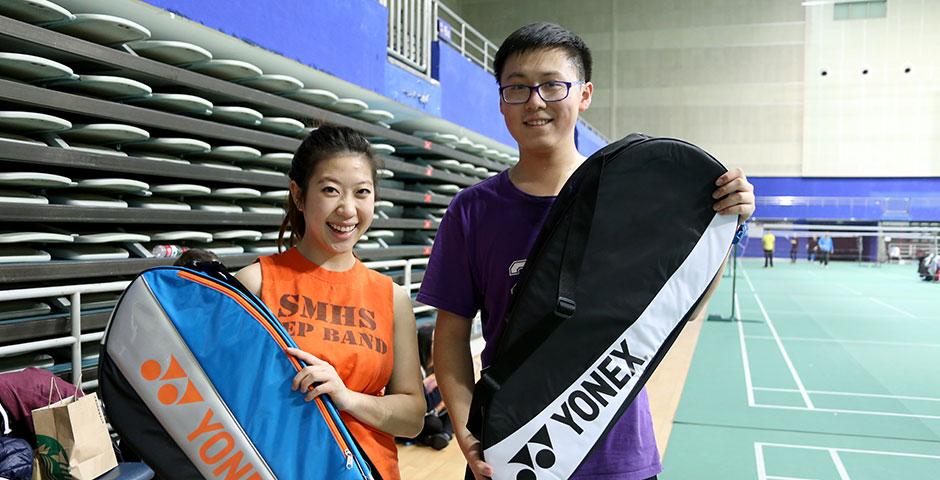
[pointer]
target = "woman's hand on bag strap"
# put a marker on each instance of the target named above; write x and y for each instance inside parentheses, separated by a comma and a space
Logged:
(318, 378)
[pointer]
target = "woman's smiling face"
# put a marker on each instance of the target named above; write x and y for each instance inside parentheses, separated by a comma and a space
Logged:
(339, 203)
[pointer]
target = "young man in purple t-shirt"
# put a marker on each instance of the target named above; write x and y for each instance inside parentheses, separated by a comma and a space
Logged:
(544, 73)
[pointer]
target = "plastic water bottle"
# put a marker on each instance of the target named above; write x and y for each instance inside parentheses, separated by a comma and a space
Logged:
(167, 250)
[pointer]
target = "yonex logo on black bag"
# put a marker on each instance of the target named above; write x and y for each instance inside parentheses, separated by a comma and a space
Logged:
(544, 457)
(606, 380)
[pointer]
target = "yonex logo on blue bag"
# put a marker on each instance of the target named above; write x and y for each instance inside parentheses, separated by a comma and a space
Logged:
(169, 392)
(215, 447)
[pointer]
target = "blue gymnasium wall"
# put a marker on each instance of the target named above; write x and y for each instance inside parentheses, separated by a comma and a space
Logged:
(924, 195)
(587, 141)
(348, 39)
(344, 38)
(470, 97)
(409, 89)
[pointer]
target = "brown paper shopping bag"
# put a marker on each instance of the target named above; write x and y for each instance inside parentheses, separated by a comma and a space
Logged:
(72, 439)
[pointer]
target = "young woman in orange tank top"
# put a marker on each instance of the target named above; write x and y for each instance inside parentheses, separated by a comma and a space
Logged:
(355, 328)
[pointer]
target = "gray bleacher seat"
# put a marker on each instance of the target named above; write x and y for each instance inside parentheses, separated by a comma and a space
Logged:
(235, 193)
(34, 179)
(168, 146)
(175, 102)
(104, 133)
(181, 190)
(227, 69)
(104, 86)
(282, 125)
(79, 199)
(247, 235)
(18, 121)
(374, 115)
(20, 196)
(273, 83)
(228, 153)
(88, 252)
(348, 106)
(103, 29)
(313, 96)
(158, 203)
(236, 115)
(21, 254)
(112, 185)
(21, 237)
(218, 206)
(171, 52)
(32, 68)
(224, 248)
(39, 12)
(96, 149)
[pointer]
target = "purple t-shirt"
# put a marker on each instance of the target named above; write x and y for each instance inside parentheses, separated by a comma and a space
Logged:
(479, 251)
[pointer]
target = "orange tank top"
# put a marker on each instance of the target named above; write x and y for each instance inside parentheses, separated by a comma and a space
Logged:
(344, 318)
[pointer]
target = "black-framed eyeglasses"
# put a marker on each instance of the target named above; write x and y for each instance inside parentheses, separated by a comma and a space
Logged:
(550, 91)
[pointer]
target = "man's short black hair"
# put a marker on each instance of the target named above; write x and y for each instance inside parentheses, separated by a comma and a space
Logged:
(544, 35)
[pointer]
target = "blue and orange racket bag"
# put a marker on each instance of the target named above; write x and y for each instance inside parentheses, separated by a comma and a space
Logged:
(195, 379)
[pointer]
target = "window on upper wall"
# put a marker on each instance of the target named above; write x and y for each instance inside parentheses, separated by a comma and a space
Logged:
(860, 10)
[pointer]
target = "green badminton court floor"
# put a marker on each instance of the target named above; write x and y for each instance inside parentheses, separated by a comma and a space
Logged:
(826, 374)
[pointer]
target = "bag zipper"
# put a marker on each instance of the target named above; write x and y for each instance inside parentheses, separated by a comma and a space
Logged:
(334, 430)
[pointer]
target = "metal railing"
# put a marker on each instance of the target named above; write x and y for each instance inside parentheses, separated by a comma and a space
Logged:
(456, 32)
(409, 32)
(75, 292)
(75, 316)
(590, 127)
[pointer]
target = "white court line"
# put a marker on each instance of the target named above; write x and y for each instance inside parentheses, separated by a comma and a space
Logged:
(892, 307)
(852, 394)
(833, 454)
(850, 289)
(857, 412)
(783, 351)
(749, 387)
(838, 340)
(829, 315)
(759, 457)
(748, 278)
(840, 467)
(851, 450)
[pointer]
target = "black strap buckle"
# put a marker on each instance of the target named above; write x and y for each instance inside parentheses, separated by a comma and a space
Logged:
(565, 307)
(488, 381)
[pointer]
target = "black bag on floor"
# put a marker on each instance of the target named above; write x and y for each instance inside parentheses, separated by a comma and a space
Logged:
(628, 249)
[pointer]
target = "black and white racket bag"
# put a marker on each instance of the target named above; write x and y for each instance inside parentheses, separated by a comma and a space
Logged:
(626, 254)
